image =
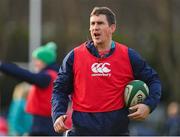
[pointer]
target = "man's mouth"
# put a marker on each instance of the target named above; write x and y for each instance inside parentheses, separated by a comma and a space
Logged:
(97, 35)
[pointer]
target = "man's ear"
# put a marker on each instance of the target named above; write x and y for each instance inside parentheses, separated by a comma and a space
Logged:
(113, 28)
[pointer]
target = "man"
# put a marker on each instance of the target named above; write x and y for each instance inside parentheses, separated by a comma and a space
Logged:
(95, 74)
(38, 100)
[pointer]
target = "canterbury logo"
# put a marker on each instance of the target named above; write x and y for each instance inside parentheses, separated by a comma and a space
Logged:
(101, 69)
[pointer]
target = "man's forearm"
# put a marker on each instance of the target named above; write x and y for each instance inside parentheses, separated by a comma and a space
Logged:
(59, 104)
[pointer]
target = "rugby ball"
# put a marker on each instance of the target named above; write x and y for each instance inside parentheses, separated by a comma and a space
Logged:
(135, 92)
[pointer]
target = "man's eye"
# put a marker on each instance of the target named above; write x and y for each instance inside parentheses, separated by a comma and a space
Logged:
(92, 23)
(100, 23)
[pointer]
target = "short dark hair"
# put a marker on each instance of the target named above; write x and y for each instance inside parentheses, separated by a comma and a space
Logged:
(111, 17)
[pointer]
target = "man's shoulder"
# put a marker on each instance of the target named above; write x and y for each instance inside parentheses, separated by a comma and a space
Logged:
(120, 44)
(121, 47)
(80, 45)
(132, 53)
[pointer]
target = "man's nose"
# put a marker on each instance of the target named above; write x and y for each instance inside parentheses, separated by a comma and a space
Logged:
(96, 26)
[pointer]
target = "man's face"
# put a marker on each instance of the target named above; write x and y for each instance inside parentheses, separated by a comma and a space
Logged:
(100, 30)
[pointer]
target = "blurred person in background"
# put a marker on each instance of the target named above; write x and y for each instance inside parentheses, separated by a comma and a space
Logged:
(172, 124)
(38, 100)
(3, 126)
(19, 121)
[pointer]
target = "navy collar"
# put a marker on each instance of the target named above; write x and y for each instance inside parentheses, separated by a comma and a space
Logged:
(93, 50)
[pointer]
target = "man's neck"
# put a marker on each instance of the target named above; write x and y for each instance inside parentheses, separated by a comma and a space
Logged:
(104, 47)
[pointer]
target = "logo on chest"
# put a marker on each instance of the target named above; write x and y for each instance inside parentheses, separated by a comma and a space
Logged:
(101, 69)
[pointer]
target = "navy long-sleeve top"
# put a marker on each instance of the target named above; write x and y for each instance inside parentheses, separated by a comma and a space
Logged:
(41, 79)
(63, 86)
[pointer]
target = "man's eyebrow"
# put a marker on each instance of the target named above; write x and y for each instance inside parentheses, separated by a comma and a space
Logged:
(98, 22)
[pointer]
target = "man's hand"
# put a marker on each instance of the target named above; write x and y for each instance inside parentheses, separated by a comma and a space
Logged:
(59, 125)
(140, 112)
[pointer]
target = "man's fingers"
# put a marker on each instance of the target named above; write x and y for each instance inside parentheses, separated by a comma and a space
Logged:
(134, 107)
(60, 128)
(65, 117)
(63, 126)
(138, 118)
(59, 125)
(139, 112)
(135, 114)
(134, 117)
